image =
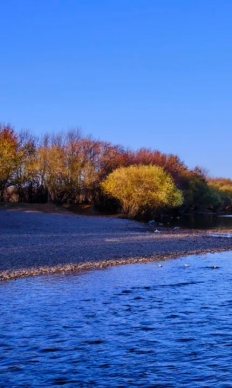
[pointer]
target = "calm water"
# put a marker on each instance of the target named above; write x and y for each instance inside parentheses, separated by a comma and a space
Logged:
(206, 221)
(129, 326)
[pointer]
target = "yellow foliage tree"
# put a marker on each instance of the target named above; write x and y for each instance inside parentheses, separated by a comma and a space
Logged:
(8, 156)
(141, 188)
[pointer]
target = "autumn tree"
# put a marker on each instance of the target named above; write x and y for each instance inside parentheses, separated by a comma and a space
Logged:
(66, 166)
(142, 188)
(24, 177)
(170, 163)
(52, 168)
(8, 156)
(223, 187)
(197, 194)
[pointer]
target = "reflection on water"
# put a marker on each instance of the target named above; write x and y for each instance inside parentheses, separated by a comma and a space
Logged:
(139, 325)
(206, 221)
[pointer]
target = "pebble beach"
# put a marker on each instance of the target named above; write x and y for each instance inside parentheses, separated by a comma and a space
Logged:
(34, 243)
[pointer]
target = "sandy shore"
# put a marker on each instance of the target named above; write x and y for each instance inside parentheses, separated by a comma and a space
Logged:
(33, 243)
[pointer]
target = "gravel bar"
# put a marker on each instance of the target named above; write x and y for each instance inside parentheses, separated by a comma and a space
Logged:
(34, 243)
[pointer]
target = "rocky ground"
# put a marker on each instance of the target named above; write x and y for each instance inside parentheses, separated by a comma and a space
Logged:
(33, 242)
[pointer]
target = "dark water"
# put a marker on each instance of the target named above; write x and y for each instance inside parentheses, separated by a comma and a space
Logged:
(129, 326)
(202, 221)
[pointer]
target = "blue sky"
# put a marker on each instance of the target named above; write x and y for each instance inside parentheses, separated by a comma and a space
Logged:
(140, 73)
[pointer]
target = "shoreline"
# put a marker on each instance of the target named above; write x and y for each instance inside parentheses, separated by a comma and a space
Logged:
(34, 243)
(90, 266)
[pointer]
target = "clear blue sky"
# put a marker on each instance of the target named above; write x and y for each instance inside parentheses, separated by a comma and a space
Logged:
(140, 73)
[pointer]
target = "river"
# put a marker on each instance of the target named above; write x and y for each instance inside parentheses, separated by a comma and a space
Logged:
(141, 325)
(201, 221)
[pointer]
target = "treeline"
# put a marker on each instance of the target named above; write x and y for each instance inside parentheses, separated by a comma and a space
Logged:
(69, 168)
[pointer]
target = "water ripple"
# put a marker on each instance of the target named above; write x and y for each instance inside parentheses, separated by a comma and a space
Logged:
(129, 326)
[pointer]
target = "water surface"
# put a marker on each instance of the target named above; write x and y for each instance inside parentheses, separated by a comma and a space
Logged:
(138, 325)
(204, 221)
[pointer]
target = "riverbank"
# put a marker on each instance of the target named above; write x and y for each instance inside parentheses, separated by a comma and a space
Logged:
(34, 243)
